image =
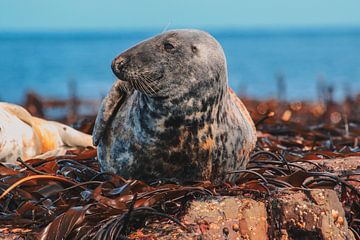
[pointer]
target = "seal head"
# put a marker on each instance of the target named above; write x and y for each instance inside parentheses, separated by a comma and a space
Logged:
(171, 113)
(171, 64)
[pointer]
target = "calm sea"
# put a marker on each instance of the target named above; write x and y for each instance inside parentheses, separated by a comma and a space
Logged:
(47, 62)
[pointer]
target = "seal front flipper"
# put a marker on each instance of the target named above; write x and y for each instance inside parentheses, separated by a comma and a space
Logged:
(109, 106)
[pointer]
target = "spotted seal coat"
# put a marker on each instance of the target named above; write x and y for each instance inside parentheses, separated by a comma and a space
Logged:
(171, 113)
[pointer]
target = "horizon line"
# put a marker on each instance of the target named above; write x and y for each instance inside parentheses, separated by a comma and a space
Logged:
(264, 28)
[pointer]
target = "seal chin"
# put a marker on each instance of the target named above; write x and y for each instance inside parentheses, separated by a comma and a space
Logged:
(120, 74)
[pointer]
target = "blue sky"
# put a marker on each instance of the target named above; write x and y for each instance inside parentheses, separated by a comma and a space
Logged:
(54, 15)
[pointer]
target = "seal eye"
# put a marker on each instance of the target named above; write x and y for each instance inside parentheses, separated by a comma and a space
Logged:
(194, 49)
(168, 47)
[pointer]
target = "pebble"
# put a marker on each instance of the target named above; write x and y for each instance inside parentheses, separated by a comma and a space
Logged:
(226, 231)
(235, 227)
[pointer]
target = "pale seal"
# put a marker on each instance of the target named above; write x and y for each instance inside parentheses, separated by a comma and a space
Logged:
(25, 136)
(171, 114)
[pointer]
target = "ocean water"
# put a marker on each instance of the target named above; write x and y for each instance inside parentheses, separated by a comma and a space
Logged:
(47, 62)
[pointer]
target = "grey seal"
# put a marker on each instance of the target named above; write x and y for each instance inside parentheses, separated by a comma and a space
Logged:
(171, 113)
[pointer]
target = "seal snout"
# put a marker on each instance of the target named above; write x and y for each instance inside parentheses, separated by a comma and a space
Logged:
(117, 67)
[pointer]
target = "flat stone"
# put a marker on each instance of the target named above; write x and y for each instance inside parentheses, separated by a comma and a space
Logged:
(287, 215)
(317, 215)
(229, 218)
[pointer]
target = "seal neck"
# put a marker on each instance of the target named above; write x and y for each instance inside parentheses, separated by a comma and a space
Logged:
(208, 107)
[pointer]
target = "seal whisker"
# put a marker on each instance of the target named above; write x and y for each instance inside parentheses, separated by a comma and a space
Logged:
(146, 83)
(152, 87)
(136, 85)
(150, 84)
(132, 84)
(142, 87)
(151, 81)
(166, 27)
(146, 86)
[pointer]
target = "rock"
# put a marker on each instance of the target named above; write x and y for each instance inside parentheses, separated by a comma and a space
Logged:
(316, 215)
(287, 215)
(337, 165)
(229, 218)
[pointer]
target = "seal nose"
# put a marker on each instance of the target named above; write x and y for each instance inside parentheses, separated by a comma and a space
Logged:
(117, 64)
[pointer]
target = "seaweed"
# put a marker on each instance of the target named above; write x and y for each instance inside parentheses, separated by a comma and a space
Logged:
(68, 197)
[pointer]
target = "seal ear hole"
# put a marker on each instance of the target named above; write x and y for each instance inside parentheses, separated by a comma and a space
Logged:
(194, 49)
(168, 47)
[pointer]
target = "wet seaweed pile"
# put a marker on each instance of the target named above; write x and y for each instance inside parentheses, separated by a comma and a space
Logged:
(68, 197)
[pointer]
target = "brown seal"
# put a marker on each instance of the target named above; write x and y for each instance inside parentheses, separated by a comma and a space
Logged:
(171, 113)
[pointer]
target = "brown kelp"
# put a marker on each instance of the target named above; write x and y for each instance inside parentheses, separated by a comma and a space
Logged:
(68, 197)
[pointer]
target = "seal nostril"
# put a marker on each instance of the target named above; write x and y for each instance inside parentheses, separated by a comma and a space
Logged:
(118, 63)
(117, 67)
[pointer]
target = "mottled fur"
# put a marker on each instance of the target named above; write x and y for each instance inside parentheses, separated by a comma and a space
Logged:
(172, 114)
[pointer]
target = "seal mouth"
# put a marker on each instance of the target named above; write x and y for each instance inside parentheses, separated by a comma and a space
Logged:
(145, 82)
